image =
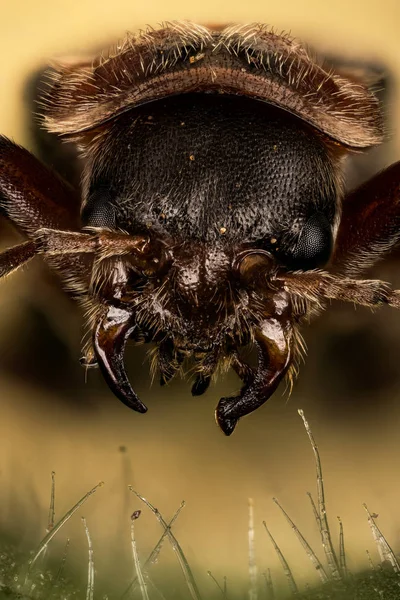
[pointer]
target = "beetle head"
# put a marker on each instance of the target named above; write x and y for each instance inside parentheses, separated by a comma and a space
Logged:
(223, 147)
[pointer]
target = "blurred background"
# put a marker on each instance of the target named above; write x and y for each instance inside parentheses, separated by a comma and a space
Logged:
(52, 419)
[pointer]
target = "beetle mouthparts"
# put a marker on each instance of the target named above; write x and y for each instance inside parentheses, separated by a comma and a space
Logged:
(225, 422)
(111, 333)
(274, 341)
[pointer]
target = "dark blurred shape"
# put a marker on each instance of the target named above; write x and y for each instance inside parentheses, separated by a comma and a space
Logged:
(42, 358)
(59, 155)
(359, 364)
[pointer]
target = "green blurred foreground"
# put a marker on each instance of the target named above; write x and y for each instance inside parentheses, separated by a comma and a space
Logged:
(41, 576)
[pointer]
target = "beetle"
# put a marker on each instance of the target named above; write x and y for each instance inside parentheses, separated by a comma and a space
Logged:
(212, 206)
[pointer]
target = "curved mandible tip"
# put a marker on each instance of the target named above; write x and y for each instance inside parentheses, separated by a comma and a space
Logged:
(274, 341)
(110, 335)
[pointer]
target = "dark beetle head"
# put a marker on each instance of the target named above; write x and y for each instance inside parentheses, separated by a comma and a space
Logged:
(213, 177)
(217, 170)
(222, 150)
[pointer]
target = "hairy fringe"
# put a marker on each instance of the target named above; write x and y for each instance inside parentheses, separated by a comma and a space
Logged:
(299, 352)
(181, 57)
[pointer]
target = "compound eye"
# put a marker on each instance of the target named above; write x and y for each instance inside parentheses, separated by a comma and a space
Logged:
(315, 243)
(99, 211)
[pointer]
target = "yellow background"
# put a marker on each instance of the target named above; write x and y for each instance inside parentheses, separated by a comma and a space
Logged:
(176, 451)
